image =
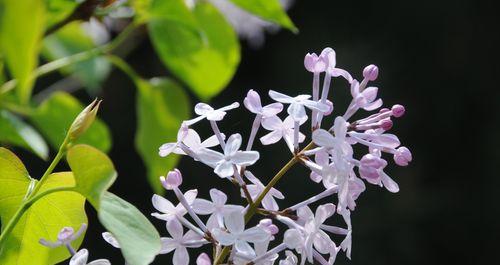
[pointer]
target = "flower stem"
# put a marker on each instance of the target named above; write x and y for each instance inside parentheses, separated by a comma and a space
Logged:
(252, 208)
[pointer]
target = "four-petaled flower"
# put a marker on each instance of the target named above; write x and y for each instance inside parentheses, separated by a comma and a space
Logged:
(216, 208)
(167, 210)
(253, 104)
(81, 257)
(179, 242)
(226, 163)
(205, 111)
(280, 129)
(298, 104)
(237, 235)
(256, 189)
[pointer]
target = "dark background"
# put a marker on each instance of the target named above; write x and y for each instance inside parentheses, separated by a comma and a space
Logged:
(438, 58)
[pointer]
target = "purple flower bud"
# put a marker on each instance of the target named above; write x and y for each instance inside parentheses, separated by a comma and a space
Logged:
(402, 156)
(203, 259)
(398, 110)
(370, 72)
(370, 166)
(330, 106)
(173, 179)
(267, 224)
(66, 234)
(315, 63)
(386, 124)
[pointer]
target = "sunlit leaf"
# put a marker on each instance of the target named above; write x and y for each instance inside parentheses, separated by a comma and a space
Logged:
(94, 172)
(21, 31)
(138, 238)
(15, 131)
(58, 10)
(270, 10)
(204, 54)
(70, 40)
(54, 116)
(42, 220)
(161, 107)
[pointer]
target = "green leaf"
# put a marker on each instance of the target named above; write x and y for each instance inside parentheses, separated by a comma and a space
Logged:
(54, 116)
(269, 10)
(21, 31)
(138, 238)
(70, 40)
(15, 131)
(204, 53)
(162, 105)
(94, 172)
(58, 10)
(44, 219)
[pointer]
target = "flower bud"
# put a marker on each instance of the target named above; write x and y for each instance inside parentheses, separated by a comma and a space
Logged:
(398, 110)
(173, 180)
(386, 124)
(370, 72)
(66, 234)
(203, 259)
(83, 121)
(402, 156)
(267, 224)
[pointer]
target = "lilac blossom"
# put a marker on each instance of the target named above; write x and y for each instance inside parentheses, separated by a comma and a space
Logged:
(193, 141)
(215, 208)
(237, 235)
(298, 104)
(81, 257)
(167, 211)
(205, 111)
(179, 242)
(225, 163)
(257, 187)
(168, 148)
(281, 130)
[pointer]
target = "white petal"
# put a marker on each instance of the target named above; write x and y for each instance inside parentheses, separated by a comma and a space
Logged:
(271, 138)
(212, 141)
(100, 262)
(202, 109)
(245, 158)
(293, 238)
(209, 156)
(190, 196)
(250, 176)
(322, 243)
(224, 238)
(316, 105)
(108, 237)
(323, 138)
(280, 97)
(297, 111)
(181, 256)
(255, 234)
(191, 236)
(305, 213)
(80, 258)
(235, 222)
(252, 102)
(216, 115)
(234, 105)
(374, 105)
(224, 169)
(272, 123)
(370, 93)
(203, 207)
(167, 245)
(174, 228)
(323, 212)
(269, 203)
(232, 145)
(218, 197)
(192, 139)
(244, 248)
(340, 127)
(163, 205)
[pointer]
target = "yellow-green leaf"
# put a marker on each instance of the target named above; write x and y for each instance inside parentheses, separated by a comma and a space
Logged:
(270, 10)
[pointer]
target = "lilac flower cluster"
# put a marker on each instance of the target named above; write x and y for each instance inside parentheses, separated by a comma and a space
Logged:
(329, 157)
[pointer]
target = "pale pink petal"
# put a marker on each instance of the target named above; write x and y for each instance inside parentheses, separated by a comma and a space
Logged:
(330, 55)
(370, 93)
(374, 105)
(255, 235)
(181, 256)
(272, 109)
(174, 228)
(354, 88)
(271, 138)
(297, 111)
(167, 245)
(234, 221)
(203, 259)
(202, 109)
(191, 236)
(192, 139)
(272, 123)
(269, 203)
(203, 207)
(252, 102)
(209, 156)
(316, 106)
(323, 138)
(218, 197)
(166, 149)
(322, 243)
(336, 72)
(212, 141)
(340, 127)
(305, 213)
(293, 238)
(233, 144)
(190, 196)
(244, 248)
(161, 204)
(323, 212)
(389, 183)
(216, 115)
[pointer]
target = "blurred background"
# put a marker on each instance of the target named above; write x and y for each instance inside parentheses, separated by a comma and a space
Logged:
(438, 58)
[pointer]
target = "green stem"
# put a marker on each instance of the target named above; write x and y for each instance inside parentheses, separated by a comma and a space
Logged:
(24, 207)
(75, 58)
(252, 208)
(124, 66)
